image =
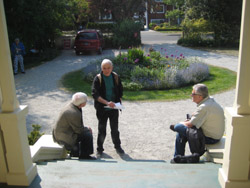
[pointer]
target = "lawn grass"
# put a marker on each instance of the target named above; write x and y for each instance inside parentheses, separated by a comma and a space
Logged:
(220, 80)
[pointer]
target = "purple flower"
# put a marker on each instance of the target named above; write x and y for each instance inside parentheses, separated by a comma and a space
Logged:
(165, 50)
(167, 56)
(125, 58)
(181, 55)
(136, 60)
(148, 55)
(172, 55)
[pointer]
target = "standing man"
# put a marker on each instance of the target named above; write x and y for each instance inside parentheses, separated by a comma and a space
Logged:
(107, 90)
(17, 51)
(209, 116)
(70, 131)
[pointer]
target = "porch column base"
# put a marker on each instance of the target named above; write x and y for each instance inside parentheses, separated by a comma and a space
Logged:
(235, 171)
(225, 183)
(20, 169)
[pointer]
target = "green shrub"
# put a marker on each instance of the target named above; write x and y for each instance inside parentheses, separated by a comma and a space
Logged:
(34, 134)
(132, 86)
(195, 28)
(136, 56)
(104, 27)
(196, 41)
(155, 55)
(126, 34)
(157, 28)
(167, 27)
(108, 41)
(152, 25)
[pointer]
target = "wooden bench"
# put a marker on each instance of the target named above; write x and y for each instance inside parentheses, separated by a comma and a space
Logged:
(215, 151)
(46, 149)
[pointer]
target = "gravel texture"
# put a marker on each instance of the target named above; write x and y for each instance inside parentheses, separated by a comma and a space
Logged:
(144, 126)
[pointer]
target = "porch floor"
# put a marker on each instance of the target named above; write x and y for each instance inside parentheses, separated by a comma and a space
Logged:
(110, 173)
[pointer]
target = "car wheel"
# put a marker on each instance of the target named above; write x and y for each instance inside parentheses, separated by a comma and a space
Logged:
(100, 50)
(77, 53)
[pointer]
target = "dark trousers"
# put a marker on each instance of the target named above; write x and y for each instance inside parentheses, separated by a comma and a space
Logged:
(84, 145)
(181, 139)
(103, 116)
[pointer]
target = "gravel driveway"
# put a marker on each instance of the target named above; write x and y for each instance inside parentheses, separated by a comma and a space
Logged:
(144, 126)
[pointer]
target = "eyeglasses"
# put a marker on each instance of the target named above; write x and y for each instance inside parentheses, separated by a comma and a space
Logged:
(193, 94)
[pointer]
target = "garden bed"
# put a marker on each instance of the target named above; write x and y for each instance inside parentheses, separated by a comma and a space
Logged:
(132, 70)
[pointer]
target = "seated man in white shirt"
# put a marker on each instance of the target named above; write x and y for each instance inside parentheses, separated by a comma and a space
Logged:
(209, 116)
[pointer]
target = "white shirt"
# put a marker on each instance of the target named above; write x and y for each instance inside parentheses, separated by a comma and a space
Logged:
(209, 115)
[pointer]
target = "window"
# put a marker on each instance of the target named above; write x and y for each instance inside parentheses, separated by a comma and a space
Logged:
(158, 9)
(87, 36)
(158, 0)
(107, 16)
(157, 21)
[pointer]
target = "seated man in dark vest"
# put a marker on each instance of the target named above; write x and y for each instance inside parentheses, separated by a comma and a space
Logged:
(70, 131)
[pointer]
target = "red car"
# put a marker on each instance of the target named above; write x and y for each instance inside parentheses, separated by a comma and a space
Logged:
(89, 40)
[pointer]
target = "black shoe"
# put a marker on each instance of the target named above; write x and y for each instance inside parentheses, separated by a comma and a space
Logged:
(88, 157)
(15, 73)
(172, 127)
(99, 154)
(23, 72)
(176, 159)
(74, 153)
(120, 150)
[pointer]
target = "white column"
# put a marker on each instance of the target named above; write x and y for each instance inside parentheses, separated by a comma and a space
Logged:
(15, 158)
(235, 171)
(242, 100)
(146, 14)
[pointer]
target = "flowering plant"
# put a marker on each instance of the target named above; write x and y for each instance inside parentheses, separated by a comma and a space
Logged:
(154, 70)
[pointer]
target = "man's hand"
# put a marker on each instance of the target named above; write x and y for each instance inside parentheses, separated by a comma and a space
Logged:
(111, 104)
(187, 123)
(90, 130)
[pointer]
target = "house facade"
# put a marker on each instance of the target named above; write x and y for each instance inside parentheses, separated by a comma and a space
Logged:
(156, 13)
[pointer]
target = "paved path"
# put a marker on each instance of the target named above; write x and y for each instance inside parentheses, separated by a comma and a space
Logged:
(144, 126)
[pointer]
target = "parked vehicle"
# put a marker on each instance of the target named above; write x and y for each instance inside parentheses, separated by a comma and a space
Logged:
(89, 40)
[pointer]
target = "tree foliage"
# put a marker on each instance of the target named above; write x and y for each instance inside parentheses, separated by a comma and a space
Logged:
(224, 16)
(80, 12)
(176, 3)
(177, 13)
(38, 22)
(120, 9)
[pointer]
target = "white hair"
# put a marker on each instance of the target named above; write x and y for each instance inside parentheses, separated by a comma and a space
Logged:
(79, 98)
(106, 61)
(201, 89)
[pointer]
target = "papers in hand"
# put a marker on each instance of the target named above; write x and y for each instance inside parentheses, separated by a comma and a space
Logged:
(118, 106)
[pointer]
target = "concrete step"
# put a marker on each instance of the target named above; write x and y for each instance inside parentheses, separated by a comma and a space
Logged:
(46, 149)
(119, 173)
(215, 152)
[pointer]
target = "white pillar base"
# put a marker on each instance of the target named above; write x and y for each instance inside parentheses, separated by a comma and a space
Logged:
(20, 169)
(235, 171)
(225, 183)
